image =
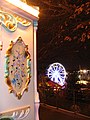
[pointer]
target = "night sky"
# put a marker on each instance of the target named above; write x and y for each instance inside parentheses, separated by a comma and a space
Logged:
(63, 34)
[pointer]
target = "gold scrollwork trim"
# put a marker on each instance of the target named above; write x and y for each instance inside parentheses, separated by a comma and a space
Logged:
(10, 21)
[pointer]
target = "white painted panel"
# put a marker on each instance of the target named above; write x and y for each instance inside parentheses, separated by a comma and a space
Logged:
(9, 101)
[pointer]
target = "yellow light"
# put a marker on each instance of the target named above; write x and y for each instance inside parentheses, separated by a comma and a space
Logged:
(24, 7)
(79, 76)
(82, 82)
(81, 70)
(84, 71)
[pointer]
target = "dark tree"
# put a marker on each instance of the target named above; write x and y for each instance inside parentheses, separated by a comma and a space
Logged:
(63, 32)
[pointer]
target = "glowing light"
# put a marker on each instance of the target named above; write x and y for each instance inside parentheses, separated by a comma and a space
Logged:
(82, 82)
(81, 70)
(57, 73)
(84, 71)
(25, 7)
(79, 76)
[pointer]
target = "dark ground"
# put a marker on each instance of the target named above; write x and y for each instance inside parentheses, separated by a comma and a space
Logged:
(47, 112)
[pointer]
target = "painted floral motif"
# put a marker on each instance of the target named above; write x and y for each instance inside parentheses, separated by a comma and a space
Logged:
(18, 67)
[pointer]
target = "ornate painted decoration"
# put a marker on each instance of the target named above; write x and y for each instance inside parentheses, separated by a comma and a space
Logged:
(17, 67)
(17, 113)
(10, 22)
(57, 73)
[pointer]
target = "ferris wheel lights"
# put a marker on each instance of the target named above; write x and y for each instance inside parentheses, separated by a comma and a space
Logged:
(57, 73)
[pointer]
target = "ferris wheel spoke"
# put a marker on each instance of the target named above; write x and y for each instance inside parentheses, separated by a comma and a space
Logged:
(50, 71)
(60, 70)
(53, 68)
(55, 79)
(57, 68)
(62, 77)
(50, 76)
(62, 73)
(59, 79)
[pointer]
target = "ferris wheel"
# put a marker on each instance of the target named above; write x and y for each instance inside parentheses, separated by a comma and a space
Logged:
(57, 73)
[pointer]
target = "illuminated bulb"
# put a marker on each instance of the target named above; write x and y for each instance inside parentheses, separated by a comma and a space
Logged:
(84, 71)
(79, 76)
